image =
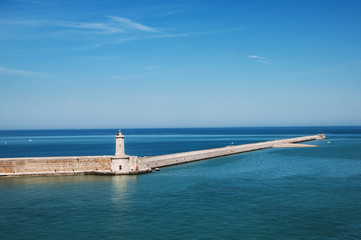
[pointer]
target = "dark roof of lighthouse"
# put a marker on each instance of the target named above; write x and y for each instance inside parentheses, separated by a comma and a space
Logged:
(120, 134)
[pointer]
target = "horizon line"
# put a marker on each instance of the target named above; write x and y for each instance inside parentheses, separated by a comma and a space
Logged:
(294, 126)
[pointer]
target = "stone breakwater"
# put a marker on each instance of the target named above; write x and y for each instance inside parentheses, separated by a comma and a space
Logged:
(83, 165)
(54, 165)
(185, 157)
(124, 164)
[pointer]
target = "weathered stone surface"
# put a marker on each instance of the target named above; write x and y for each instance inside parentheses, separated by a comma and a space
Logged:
(48, 165)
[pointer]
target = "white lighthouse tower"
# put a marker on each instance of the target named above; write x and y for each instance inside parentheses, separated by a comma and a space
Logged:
(119, 144)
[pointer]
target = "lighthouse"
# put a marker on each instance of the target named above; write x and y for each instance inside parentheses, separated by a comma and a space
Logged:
(119, 144)
(121, 163)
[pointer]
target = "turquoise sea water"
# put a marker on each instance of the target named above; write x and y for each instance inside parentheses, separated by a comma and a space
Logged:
(292, 193)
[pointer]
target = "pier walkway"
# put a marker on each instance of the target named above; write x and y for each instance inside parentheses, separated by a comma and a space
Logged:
(185, 157)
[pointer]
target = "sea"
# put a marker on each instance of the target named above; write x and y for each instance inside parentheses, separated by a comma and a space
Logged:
(279, 193)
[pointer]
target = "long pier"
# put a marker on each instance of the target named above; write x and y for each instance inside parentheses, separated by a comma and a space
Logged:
(186, 157)
(120, 163)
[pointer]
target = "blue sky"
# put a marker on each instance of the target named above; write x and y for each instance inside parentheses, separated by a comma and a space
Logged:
(125, 64)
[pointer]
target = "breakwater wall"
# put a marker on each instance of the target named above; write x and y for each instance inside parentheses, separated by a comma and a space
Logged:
(53, 165)
(186, 157)
(120, 163)
(99, 165)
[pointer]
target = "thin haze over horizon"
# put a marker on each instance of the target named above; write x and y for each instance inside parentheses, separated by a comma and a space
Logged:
(143, 64)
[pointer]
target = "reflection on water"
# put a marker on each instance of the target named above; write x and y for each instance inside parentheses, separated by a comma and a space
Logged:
(52, 180)
(120, 184)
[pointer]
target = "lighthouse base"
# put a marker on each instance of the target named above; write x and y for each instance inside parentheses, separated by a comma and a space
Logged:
(126, 165)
